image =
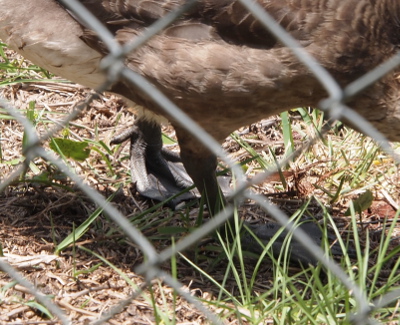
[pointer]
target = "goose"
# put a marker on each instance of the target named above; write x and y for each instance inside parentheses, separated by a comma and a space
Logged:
(220, 66)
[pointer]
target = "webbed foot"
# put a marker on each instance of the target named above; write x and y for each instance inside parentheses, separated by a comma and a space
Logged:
(298, 254)
(157, 172)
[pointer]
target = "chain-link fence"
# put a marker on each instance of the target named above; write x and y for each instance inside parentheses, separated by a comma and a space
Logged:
(113, 65)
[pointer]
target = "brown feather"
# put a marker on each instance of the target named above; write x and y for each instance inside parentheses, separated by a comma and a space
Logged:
(222, 67)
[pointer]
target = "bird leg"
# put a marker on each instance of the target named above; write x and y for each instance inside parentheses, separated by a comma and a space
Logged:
(157, 172)
(201, 165)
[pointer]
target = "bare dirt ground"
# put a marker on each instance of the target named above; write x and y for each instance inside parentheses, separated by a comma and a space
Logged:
(34, 217)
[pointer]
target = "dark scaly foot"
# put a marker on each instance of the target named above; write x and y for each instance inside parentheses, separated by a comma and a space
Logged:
(298, 254)
(157, 172)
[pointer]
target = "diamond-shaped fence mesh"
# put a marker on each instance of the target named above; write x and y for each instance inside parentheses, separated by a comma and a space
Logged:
(114, 66)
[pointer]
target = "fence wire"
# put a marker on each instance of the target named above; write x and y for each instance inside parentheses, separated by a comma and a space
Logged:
(114, 67)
